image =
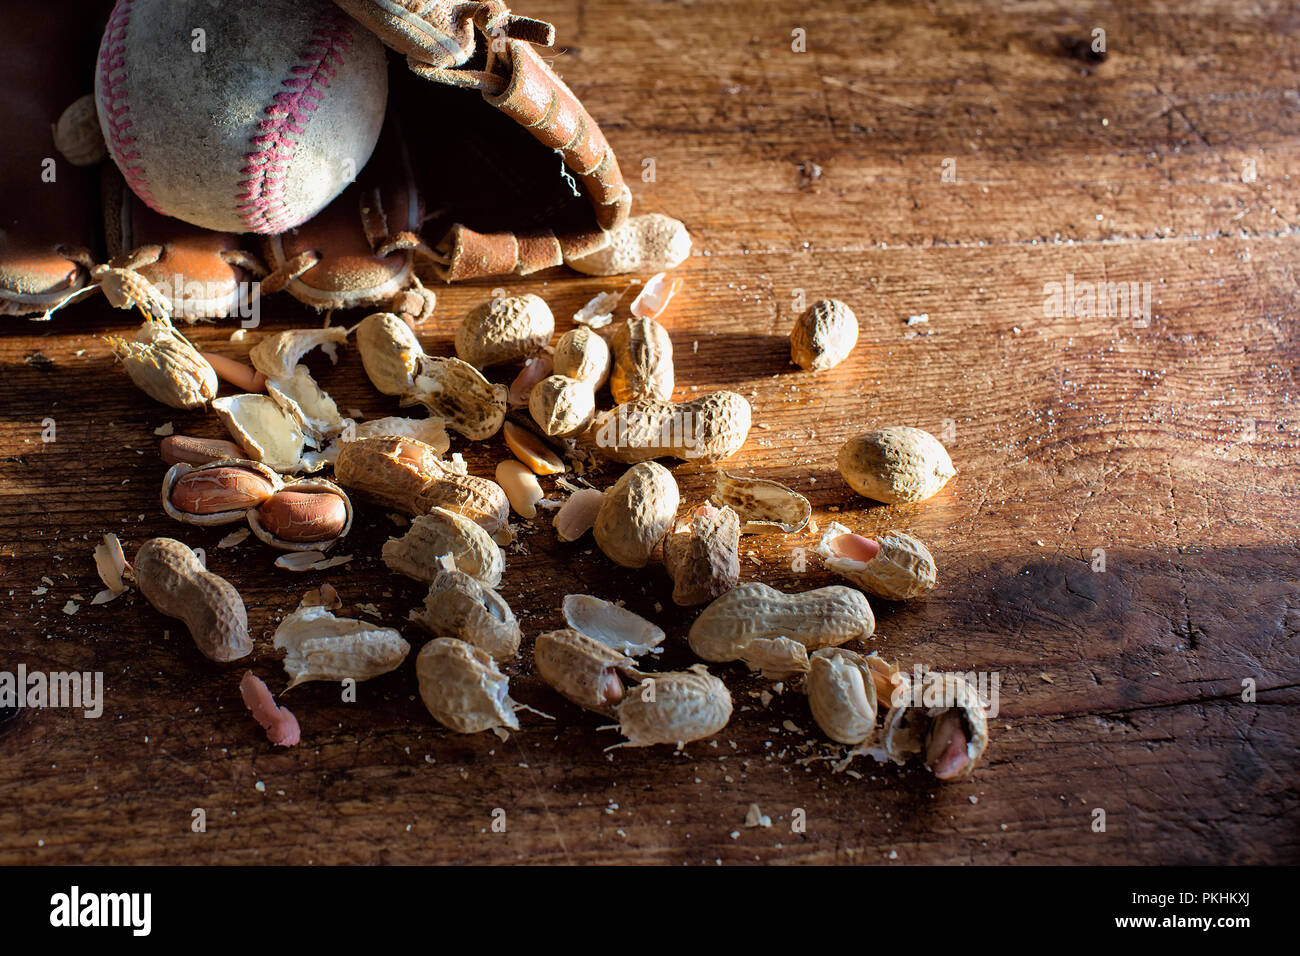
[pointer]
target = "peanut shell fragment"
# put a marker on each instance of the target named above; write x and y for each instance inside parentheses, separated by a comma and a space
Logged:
(320, 646)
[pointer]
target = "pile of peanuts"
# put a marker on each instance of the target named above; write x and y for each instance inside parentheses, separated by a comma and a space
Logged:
(552, 424)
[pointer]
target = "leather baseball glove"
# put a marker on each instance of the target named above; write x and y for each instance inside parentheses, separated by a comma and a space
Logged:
(488, 165)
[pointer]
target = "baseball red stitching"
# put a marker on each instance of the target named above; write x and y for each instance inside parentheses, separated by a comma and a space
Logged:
(261, 197)
(114, 108)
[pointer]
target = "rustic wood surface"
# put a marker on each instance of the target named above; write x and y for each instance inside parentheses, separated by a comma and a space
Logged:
(1169, 445)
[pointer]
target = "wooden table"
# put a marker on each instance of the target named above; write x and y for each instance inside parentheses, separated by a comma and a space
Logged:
(1119, 546)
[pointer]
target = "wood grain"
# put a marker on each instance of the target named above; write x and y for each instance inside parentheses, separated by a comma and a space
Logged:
(1171, 445)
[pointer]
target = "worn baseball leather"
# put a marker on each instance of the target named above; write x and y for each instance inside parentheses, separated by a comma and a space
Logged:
(498, 205)
(202, 274)
(48, 233)
(359, 250)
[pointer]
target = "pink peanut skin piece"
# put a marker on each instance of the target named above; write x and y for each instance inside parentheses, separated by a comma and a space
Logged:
(855, 547)
(281, 726)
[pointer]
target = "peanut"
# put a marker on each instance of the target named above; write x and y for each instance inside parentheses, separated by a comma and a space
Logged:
(504, 329)
(197, 451)
(211, 491)
(462, 687)
(302, 517)
(407, 475)
(172, 579)
(648, 243)
(457, 393)
(704, 559)
(165, 366)
(532, 451)
(243, 377)
(826, 617)
(636, 513)
(707, 429)
(896, 465)
(535, 369)
(764, 507)
(674, 708)
(577, 515)
(520, 486)
(643, 362)
(459, 606)
(418, 553)
(390, 353)
(582, 354)
(842, 695)
(562, 406)
(582, 669)
(320, 646)
(77, 134)
(824, 335)
(897, 566)
(943, 720)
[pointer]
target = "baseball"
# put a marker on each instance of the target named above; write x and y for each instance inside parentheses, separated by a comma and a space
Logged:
(239, 117)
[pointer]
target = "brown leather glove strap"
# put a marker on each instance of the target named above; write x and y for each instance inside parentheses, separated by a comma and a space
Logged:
(471, 255)
(538, 100)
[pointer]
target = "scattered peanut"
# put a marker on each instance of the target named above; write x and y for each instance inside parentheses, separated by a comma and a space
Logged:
(197, 451)
(577, 516)
(707, 429)
(504, 329)
(582, 669)
(674, 708)
(172, 579)
(582, 354)
(215, 491)
(826, 617)
(636, 513)
(520, 486)
(532, 451)
(651, 242)
(320, 646)
(562, 406)
(643, 362)
(896, 566)
(304, 517)
(704, 559)
(408, 475)
(824, 335)
(297, 516)
(535, 369)
(418, 553)
(896, 465)
(390, 353)
(942, 719)
(462, 687)
(165, 366)
(842, 695)
(459, 606)
(243, 377)
(458, 394)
